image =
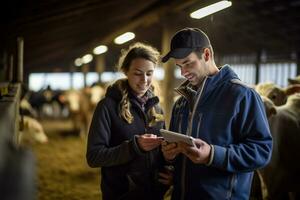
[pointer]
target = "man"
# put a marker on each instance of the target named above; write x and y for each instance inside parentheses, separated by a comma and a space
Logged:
(226, 118)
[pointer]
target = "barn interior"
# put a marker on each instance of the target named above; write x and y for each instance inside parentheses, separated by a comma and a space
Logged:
(260, 39)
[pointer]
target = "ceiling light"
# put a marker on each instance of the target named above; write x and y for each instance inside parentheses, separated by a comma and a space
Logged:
(78, 62)
(124, 38)
(87, 58)
(100, 49)
(203, 12)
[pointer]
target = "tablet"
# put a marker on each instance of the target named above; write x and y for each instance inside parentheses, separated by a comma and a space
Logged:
(171, 136)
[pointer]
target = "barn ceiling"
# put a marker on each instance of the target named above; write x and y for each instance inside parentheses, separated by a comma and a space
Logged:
(56, 32)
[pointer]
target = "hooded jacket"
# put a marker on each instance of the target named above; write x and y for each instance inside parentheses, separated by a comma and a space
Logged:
(127, 172)
(229, 116)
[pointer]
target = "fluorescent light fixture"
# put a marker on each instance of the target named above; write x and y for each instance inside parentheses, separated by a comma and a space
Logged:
(124, 38)
(87, 58)
(203, 12)
(100, 49)
(78, 62)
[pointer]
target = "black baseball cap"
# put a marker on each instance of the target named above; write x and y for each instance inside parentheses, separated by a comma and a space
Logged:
(185, 41)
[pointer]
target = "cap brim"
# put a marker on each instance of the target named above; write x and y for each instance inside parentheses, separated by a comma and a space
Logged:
(177, 53)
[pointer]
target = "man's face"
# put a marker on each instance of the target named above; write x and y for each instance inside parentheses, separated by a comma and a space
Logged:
(140, 75)
(193, 68)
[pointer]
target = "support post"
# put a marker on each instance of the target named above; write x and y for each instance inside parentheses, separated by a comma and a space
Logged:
(168, 86)
(257, 64)
(20, 54)
(100, 65)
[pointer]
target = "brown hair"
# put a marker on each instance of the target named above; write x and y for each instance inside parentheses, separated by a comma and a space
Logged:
(137, 50)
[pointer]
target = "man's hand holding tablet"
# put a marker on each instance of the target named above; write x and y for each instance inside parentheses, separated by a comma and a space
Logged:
(196, 150)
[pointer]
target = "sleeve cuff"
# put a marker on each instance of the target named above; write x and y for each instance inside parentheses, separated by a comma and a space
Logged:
(219, 156)
(136, 147)
(211, 156)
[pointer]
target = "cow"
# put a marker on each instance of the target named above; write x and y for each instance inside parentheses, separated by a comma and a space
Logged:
(31, 131)
(26, 108)
(78, 108)
(96, 93)
(81, 105)
(275, 93)
(280, 175)
(46, 103)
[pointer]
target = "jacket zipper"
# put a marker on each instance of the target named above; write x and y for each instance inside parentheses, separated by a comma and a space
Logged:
(232, 183)
(184, 167)
(189, 133)
(198, 127)
(148, 155)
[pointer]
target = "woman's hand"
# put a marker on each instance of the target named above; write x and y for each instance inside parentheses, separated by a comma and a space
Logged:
(170, 150)
(148, 142)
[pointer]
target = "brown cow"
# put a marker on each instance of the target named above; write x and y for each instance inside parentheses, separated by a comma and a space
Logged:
(275, 93)
(81, 105)
(280, 175)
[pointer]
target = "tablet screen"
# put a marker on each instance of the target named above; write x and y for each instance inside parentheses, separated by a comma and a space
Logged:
(171, 136)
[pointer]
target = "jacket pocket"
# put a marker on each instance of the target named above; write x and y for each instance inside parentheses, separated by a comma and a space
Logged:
(134, 191)
(131, 184)
(139, 184)
(138, 180)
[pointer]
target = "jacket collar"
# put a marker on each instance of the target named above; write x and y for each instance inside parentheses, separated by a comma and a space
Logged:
(114, 92)
(225, 74)
(150, 102)
(187, 90)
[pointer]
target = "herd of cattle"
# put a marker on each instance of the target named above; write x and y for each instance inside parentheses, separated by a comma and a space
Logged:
(278, 180)
(78, 105)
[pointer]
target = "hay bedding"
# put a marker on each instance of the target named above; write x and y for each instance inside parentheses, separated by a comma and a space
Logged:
(62, 172)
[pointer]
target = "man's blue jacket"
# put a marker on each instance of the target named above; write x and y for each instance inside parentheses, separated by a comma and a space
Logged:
(230, 116)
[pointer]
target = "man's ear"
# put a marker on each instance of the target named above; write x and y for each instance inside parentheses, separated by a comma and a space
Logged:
(206, 54)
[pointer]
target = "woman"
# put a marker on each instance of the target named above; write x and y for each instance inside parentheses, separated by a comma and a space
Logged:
(123, 138)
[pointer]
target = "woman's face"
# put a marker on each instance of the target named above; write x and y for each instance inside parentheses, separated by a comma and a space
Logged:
(140, 75)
